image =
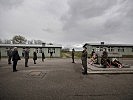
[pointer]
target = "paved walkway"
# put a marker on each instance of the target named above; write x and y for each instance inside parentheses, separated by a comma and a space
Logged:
(59, 79)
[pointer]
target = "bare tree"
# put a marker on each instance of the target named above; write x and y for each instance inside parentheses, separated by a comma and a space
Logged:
(38, 41)
(19, 39)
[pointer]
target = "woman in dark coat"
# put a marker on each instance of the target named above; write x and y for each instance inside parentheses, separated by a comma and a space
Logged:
(34, 56)
(43, 56)
(73, 52)
(104, 58)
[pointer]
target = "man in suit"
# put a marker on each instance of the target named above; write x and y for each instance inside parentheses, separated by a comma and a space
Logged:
(104, 58)
(84, 60)
(15, 58)
(92, 52)
(73, 51)
(34, 56)
(26, 55)
(9, 54)
(43, 56)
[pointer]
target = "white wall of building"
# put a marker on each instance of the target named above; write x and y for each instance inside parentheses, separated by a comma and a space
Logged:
(111, 50)
(56, 53)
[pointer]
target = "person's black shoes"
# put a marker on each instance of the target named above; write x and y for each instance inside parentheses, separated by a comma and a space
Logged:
(84, 73)
(15, 70)
(26, 66)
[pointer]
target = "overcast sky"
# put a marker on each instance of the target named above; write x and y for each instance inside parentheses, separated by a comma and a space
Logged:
(68, 22)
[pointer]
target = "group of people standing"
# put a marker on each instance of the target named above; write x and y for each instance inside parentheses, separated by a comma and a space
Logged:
(105, 61)
(14, 55)
(26, 56)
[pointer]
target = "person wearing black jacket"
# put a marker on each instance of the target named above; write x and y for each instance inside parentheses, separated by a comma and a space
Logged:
(26, 55)
(34, 56)
(104, 58)
(43, 56)
(15, 58)
(84, 60)
(73, 51)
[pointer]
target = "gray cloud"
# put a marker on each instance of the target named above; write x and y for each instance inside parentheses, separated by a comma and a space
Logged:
(8, 4)
(68, 22)
(34, 19)
(89, 8)
(92, 20)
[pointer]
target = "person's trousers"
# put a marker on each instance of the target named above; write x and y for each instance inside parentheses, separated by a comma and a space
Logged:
(9, 60)
(43, 59)
(85, 70)
(14, 65)
(26, 62)
(73, 60)
(34, 61)
(84, 62)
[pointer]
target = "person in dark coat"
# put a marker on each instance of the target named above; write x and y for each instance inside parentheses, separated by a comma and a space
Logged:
(84, 60)
(104, 58)
(26, 55)
(15, 58)
(73, 51)
(43, 56)
(92, 53)
(9, 54)
(34, 56)
(51, 54)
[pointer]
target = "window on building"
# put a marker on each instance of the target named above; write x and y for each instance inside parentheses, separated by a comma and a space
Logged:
(97, 49)
(109, 49)
(101, 49)
(112, 49)
(121, 50)
(40, 50)
(48, 50)
(118, 49)
(53, 50)
(36, 50)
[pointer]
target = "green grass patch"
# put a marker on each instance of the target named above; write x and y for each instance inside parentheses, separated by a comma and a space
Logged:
(77, 54)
